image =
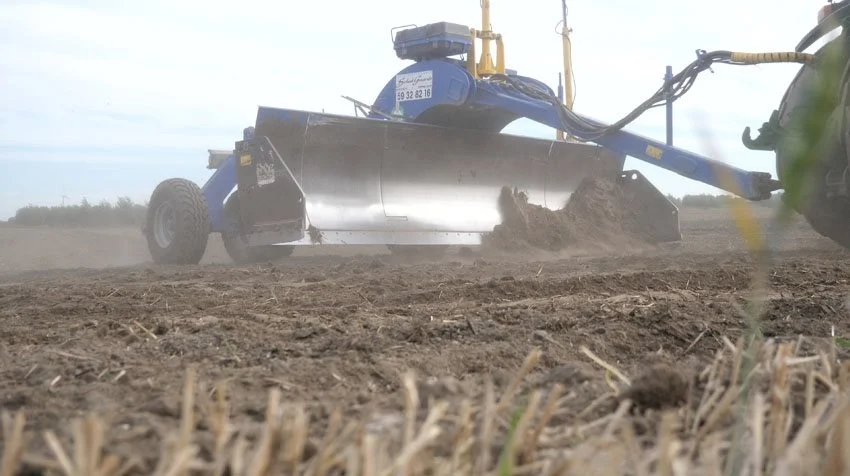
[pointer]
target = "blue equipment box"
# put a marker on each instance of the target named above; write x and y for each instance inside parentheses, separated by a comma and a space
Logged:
(437, 40)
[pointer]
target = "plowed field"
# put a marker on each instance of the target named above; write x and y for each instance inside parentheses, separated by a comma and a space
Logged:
(86, 325)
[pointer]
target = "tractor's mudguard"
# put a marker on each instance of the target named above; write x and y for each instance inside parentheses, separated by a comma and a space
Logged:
(828, 24)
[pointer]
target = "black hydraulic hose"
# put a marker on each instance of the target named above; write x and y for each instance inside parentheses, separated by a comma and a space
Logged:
(680, 84)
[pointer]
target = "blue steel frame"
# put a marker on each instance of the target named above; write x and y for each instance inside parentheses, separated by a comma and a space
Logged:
(218, 187)
(454, 86)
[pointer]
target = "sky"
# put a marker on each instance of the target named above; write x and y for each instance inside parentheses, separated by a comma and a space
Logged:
(101, 99)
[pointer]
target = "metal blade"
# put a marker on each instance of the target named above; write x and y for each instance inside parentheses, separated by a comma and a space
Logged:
(419, 184)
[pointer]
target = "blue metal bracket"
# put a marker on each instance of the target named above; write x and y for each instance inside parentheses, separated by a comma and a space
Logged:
(219, 185)
(216, 189)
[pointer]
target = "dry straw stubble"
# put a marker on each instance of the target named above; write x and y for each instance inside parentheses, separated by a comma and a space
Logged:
(796, 424)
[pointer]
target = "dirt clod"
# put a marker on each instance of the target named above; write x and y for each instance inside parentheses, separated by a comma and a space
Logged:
(659, 387)
(568, 375)
(598, 215)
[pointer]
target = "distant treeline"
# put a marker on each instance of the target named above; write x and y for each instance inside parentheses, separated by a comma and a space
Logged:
(126, 213)
(717, 201)
(104, 214)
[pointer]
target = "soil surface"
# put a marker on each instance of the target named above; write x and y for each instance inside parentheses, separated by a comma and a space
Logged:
(87, 325)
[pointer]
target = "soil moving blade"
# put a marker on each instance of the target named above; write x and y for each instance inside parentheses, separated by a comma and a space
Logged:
(365, 181)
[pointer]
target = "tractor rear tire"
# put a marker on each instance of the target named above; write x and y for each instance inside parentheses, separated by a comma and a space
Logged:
(828, 216)
(178, 224)
(236, 245)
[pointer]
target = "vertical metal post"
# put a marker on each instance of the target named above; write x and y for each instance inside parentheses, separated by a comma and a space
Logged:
(668, 96)
(567, 48)
(560, 88)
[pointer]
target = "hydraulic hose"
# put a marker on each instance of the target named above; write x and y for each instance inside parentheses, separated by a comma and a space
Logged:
(781, 57)
(679, 85)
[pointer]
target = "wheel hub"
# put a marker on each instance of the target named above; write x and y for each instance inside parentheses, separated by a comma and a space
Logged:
(164, 224)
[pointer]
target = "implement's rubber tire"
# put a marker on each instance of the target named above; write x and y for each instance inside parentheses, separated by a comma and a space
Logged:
(829, 217)
(236, 246)
(178, 224)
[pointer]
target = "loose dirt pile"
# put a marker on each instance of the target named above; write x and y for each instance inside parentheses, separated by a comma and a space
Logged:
(598, 215)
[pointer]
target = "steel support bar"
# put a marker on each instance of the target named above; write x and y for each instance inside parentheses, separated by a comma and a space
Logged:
(668, 96)
(743, 183)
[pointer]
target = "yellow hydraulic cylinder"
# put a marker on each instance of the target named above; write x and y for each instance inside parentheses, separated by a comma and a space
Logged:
(485, 65)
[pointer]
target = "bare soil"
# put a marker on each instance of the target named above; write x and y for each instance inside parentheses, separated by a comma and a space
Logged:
(598, 216)
(88, 325)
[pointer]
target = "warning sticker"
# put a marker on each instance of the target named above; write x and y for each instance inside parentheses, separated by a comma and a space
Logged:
(265, 174)
(414, 86)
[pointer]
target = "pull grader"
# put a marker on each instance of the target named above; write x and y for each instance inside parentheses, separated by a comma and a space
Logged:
(424, 168)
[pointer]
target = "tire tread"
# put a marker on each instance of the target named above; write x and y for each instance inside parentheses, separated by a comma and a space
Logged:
(192, 227)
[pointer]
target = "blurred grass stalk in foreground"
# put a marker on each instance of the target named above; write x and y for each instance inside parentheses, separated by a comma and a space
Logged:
(806, 141)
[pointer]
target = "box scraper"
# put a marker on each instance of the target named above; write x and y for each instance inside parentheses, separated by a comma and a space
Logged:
(424, 165)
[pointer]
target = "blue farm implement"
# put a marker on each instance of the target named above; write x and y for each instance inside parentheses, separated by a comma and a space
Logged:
(425, 165)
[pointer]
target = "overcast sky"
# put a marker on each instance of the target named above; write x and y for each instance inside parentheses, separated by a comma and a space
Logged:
(102, 99)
